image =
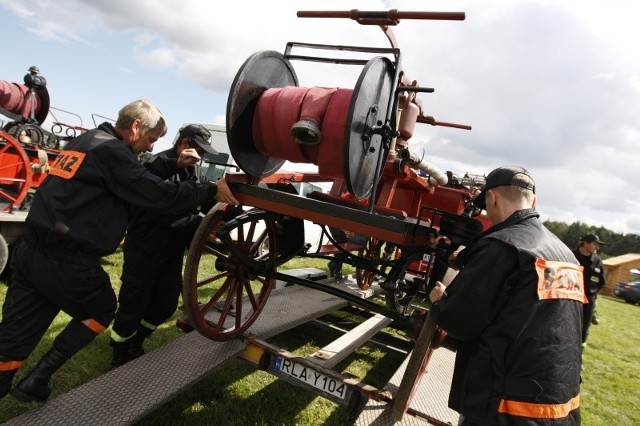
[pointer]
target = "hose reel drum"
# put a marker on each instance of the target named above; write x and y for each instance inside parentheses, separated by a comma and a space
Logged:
(269, 117)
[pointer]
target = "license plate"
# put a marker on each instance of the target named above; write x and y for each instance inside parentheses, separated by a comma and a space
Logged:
(311, 377)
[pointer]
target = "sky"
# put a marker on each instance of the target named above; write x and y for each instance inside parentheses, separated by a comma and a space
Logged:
(550, 85)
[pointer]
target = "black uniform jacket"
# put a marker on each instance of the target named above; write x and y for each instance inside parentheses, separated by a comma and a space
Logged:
(151, 228)
(82, 206)
(593, 272)
(516, 307)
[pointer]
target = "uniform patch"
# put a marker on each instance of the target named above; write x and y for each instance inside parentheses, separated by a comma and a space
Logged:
(560, 280)
(67, 164)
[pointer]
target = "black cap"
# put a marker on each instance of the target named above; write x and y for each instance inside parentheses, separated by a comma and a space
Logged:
(197, 133)
(591, 238)
(505, 176)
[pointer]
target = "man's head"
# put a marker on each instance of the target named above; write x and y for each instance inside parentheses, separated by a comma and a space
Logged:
(507, 189)
(590, 243)
(197, 137)
(140, 123)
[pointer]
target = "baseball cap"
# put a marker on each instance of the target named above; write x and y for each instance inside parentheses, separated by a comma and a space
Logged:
(591, 238)
(505, 176)
(199, 134)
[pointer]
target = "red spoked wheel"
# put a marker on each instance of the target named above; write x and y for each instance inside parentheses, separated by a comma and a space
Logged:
(225, 285)
(16, 176)
(373, 252)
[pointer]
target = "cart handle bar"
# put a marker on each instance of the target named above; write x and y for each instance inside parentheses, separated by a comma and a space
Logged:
(392, 17)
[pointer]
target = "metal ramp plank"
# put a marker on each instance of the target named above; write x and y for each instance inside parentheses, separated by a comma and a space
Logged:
(429, 401)
(128, 393)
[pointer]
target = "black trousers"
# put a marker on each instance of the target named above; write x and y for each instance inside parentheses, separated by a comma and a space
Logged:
(587, 314)
(43, 285)
(151, 283)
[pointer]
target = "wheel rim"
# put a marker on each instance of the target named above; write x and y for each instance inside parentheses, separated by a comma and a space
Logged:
(4, 253)
(222, 294)
(15, 171)
(372, 252)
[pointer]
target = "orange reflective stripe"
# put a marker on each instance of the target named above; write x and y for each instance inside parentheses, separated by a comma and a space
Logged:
(10, 365)
(94, 325)
(538, 411)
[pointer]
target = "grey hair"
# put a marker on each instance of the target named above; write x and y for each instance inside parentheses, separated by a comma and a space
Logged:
(150, 117)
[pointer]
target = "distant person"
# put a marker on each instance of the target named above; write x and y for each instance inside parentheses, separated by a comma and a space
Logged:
(515, 309)
(154, 249)
(587, 255)
(78, 215)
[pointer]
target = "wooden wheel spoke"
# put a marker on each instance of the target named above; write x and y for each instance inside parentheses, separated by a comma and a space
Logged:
(226, 309)
(5, 147)
(212, 278)
(239, 306)
(221, 291)
(255, 247)
(16, 164)
(12, 165)
(249, 239)
(7, 196)
(215, 251)
(250, 294)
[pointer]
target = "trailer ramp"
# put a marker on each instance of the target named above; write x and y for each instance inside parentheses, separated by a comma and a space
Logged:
(128, 393)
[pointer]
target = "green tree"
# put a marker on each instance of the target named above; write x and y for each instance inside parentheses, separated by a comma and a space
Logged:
(616, 243)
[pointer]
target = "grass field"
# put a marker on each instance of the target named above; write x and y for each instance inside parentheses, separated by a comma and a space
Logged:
(239, 395)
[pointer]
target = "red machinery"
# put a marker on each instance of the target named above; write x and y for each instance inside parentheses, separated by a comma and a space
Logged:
(26, 151)
(359, 139)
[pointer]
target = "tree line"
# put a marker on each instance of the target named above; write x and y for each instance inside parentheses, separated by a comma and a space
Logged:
(616, 244)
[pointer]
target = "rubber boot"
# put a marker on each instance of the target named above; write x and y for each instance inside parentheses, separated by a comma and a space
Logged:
(35, 387)
(130, 349)
(120, 353)
(6, 378)
(135, 348)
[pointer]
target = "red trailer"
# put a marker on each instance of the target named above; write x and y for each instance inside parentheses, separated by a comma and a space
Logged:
(26, 151)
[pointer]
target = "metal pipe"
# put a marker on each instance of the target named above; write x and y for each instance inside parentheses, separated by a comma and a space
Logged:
(436, 176)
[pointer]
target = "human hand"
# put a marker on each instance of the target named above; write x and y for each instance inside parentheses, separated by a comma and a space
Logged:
(224, 194)
(437, 292)
(188, 157)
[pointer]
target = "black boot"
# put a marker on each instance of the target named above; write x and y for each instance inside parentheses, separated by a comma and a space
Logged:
(120, 353)
(142, 334)
(6, 378)
(130, 349)
(135, 349)
(35, 387)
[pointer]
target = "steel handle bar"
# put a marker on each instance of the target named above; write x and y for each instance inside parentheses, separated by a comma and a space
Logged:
(391, 17)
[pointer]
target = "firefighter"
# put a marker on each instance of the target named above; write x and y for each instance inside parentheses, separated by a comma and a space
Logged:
(515, 309)
(154, 250)
(593, 269)
(78, 215)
